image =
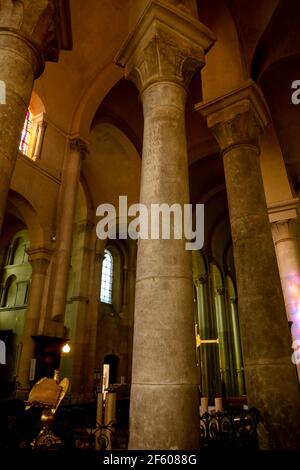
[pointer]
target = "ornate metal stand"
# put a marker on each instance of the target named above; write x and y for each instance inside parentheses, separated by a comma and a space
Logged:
(47, 395)
(46, 439)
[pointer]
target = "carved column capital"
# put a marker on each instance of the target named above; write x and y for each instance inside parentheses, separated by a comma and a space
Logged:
(166, 45)
(78, 145)
(39, 258)
(237, 118)
(284, 230)
(43, 26)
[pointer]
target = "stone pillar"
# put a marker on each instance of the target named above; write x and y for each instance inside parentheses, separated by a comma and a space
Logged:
(288, 258)
(237, 120)
(39, 259)
(131, 304)
(160, 57)
(78, 151)
(93, 315)
(28, 37)
(81, 384)
(124, 289)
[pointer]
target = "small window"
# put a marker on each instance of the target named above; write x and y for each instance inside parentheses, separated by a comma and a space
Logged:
(107, 278)
(26, 134)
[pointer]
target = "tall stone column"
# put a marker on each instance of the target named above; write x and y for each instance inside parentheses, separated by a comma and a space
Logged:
(78, 151)
(160, 57)
(28, 36)
(39, 259)
(237, 120)
(80, 381)
(288, 258)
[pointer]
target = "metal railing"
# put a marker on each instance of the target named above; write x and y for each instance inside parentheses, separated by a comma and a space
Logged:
(231, 428)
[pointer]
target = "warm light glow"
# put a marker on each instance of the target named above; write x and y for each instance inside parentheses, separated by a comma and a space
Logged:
(293, 298)
(107, 278)
(26, 134)
(66, 348)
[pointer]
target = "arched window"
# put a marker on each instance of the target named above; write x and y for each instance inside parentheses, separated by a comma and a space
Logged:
(10, 292)
(26, 134)
(107, 278)
(34, 129)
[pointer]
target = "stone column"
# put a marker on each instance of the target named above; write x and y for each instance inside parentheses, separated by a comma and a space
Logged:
(160, 57)
(124, 289)
(131, 304)
(93, 314)
(237, 120)
(78, 151)
(39, 259)
(28, 37)
(80, 389)
(288, 258)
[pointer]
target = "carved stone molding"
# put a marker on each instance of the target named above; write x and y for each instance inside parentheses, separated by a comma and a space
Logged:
(166, 45)
(283, 210)
(237, 118)
(77, 144)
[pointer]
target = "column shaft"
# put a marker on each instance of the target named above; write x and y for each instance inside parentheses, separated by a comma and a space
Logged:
(164, 377)
(28, 38)
(18, 62)
(270, 375)
(80, 301)
(237, 121)
(160, 57)
(67, 214)
(39, 260)
(288, 258)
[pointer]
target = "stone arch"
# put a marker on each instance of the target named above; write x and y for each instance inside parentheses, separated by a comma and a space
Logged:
(29, 217)
(225, 68)
(91, 99)
(10, 291)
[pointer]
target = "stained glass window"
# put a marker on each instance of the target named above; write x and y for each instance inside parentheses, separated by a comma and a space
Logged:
(107, 278)
(26, 134)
